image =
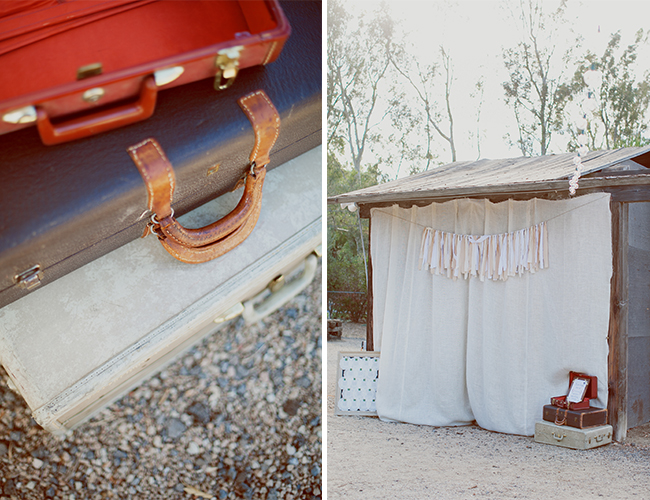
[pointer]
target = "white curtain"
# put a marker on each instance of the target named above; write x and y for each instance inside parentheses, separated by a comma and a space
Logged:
(455, 351)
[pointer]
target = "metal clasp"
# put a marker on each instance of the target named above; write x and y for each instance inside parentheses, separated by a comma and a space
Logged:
(231, 313)
(242, 180)
(29, 279)
(227, 63)
(89, 70)
(22, 115)
(93, 95)
(154, 226)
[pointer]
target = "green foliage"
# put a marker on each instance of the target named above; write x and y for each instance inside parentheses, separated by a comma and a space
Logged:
(345, 248)
(347, 306)
(344, 244)
(620, 120)
(356, 68)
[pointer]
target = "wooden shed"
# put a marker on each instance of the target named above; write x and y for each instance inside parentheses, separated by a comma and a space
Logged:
(622, 176)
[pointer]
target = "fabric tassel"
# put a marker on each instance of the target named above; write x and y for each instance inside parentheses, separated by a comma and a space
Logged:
(495, 256)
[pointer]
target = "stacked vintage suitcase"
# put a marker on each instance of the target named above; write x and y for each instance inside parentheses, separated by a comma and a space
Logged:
(209, 97)
(570, 420)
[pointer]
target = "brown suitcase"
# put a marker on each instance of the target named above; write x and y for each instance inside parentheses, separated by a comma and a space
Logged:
(575, 418)
(80, 67)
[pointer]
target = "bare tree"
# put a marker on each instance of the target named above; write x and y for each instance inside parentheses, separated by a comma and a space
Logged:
(478, 94)
(537, 90)
(425, 82)
(356, 68)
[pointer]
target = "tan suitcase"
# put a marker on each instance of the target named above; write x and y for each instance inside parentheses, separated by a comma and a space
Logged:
(571, 437)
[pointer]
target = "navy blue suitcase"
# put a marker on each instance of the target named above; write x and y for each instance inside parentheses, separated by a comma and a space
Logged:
(65, 205)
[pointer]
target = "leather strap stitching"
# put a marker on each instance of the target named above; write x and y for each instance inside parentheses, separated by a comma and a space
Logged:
(256, 126)
(270, 52)
(133, 150)
(263, 117)
(170, 173)
(134, 154)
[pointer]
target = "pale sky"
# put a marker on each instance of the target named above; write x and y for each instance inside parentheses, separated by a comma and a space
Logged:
(475, 32)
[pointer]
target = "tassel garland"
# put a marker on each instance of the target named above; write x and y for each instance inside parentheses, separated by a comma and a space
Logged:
(493, 256)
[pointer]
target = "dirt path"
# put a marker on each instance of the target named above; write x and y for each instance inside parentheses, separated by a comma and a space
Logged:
(367, 458)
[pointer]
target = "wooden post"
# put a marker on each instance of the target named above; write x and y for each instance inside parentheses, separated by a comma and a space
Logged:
(370, 345)
(617, 338)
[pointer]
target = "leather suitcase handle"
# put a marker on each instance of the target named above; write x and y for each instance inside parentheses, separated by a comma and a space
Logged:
(102, 121)
(206, 243)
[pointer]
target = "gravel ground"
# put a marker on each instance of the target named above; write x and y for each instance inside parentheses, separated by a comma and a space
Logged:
(368, 458)
(238, 416)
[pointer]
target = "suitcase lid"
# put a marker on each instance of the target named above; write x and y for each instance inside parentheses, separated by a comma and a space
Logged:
(592, 387)
(175, 49)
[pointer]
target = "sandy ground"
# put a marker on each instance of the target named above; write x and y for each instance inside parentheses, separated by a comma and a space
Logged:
(367, 458)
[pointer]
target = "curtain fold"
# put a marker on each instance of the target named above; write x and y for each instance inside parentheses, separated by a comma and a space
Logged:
(454, 351)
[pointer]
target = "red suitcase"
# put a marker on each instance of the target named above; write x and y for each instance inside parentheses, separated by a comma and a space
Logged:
(591, 392)
(80, 67)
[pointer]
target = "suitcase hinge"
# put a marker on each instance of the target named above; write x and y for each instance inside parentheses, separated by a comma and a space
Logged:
(29, 279)
(227, 63)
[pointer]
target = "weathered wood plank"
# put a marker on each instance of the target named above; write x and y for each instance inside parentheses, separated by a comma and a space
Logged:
(617, 337)
(628, 194)
(507, 176)
(370, 343)
(638, 325)
(635, 184)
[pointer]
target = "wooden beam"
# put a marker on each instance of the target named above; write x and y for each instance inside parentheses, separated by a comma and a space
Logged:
(370, 344)
(627, 194)
(618, 335)
(512, 191)
(630, 194)
(364, 208)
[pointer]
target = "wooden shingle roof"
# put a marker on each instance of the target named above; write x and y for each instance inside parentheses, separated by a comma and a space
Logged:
(509, 176)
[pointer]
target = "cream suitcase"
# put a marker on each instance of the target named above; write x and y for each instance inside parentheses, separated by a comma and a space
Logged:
(572, 437)
(76, 345)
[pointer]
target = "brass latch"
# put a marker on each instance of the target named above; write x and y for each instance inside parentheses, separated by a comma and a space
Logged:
(22, 115)
(227, 63)
(276, 283)
(29, 279)
(89, 70)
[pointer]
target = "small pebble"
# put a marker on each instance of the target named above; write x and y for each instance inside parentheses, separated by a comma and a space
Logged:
(200, 413)
(216, 419)
(175, 428)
